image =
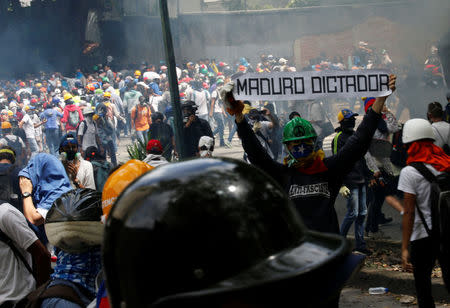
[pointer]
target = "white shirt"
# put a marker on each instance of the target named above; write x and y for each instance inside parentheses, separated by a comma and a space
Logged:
(15, 280)
(88, 138)
(218, 102)
(441, 132)
(200, 99)
(37, 130)
(85, 174)
(28, 126)
(412, 182)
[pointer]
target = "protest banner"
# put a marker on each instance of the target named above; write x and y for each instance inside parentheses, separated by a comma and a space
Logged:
(278, 86)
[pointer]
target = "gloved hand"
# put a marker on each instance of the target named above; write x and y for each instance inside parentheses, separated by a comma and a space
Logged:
(344, 191)
(232, 106)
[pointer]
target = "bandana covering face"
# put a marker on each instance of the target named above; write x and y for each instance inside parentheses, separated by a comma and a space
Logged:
(427, 152)
(305, 159)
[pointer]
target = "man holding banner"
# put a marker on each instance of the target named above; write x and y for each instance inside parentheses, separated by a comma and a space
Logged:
(311, 180)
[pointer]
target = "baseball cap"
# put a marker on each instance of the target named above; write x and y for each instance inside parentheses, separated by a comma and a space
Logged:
(346, 114)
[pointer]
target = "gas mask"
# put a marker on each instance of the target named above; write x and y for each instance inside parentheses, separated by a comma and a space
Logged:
(70, 156)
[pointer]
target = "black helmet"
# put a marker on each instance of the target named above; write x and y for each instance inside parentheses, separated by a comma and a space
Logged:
(206, 231)
(73, 223)
(189, 105)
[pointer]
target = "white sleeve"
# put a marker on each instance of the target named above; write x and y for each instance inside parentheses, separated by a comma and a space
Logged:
(86, 176)
(408, 179)
(81, 128)
(14, 225)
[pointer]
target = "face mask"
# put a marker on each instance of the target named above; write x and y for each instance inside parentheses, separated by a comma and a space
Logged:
(302, 150)
(205, 153)
(70, 155)
(348, 124)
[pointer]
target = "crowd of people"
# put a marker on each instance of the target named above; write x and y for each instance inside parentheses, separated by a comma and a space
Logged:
(63, 186)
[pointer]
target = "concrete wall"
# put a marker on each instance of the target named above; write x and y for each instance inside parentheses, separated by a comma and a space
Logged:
(227, 36)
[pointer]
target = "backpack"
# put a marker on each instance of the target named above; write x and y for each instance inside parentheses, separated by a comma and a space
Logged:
(101, 172)
(74, 118)
(399, 150)
(6, 188)
(84, 129)
(445, 146)
(440, 216)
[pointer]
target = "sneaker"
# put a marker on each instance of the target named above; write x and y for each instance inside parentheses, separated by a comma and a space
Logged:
(384, 220)
(363, 251)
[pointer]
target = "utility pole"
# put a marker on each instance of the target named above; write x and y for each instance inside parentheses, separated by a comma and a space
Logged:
(173, 82)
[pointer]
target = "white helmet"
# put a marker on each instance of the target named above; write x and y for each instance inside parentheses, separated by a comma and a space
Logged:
(417, 129)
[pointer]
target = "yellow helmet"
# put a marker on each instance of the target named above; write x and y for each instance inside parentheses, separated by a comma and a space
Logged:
(10, 113)
(106, 94)
(137, 73)
(6, 125)
(119, 180)
(67, 96)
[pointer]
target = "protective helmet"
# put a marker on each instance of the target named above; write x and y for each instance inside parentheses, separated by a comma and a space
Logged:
(73, 222)
(298, 129)
(120, 179)
(205, 229)
(189, 105)
(137, 73)
(67, 96)
(6, 125)
(107, 94)
(417, 129)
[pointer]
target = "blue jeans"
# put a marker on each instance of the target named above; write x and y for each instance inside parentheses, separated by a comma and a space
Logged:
(219, 129)
(111, 151)
(56, 302)
(141, 135)
(52, 137)
(33, 145)
(233, 131)
(356, 212)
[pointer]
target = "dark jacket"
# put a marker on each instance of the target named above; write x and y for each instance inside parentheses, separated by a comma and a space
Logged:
(313, 195)
(359, 172)
(193, 133)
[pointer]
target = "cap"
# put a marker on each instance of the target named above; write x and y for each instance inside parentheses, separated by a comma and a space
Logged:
(345, 114)
(154, 145)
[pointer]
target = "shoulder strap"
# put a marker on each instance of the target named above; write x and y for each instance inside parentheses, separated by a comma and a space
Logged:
(8, 241)
(423, 170)
(335, 141)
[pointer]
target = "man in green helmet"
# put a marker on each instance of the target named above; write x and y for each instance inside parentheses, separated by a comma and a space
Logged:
(311, 180)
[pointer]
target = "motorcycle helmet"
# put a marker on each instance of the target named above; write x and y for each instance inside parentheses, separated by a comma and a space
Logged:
(208, 231)
(73, 222)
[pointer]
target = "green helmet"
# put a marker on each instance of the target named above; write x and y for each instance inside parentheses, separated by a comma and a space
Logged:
(298, 129)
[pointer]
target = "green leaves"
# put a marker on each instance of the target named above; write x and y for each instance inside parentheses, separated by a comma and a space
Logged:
(138, 150)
